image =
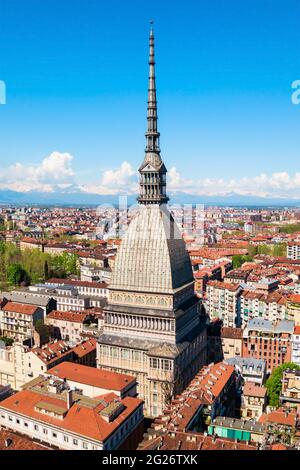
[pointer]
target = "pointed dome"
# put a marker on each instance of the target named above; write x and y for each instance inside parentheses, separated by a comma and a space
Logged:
(152, 256)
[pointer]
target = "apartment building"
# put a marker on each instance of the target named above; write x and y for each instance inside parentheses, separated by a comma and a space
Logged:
(290, 391)
(20, 363)
(94, 382)
(293, 250)
(251, 369)
(263, 339)
(89, 288)
(68, 326)
(296, 345)
(269, 306)
(254, 400)
(223, 301)
(293, 308)
(23, 296)
(232, 341)
(237, 430)
(17, 321)
(48, 411)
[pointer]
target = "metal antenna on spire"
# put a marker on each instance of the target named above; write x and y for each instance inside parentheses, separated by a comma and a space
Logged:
(153, 171)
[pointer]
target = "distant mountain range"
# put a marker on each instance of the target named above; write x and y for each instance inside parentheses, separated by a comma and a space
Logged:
(85, 199)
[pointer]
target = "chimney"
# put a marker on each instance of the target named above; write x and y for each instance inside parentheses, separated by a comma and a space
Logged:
(69, 399)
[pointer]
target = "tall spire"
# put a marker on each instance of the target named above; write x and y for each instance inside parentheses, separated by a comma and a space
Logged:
(153, 171)
(152, 135)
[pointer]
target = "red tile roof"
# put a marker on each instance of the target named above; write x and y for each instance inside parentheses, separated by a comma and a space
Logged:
(192, 441)
(230, 332)
(294, 298)
(79, 419)
(52, 351)
(204, 389)
(12, 441)
(85, 347)
(74, 317)
(223, 285)
(281, 416)
(91, 376)
(251, 389)
(16, 307)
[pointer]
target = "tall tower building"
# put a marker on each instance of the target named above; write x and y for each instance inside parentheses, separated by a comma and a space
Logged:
(153, 328)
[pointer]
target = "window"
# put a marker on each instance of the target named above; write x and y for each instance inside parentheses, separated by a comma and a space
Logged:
(36, 428)
(45, 431)
(66, 439)
(10, 418)
(54, 435)
(75, 442)
(25, 425)
(154, 363)
(166, 364)
(124, 353)
(85, 445)
(17, 421)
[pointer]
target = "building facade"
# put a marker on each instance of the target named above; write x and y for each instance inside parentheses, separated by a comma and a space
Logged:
(263, 339)
(17, 320)
(254, 400)
(49, 411)
(223, 301)
(293, 250)
(296, 346)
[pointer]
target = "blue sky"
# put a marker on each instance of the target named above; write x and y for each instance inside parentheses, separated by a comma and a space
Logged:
(76, 78)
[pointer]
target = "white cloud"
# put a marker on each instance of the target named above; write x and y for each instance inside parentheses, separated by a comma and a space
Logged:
(280, 184)
(123, 180)
(54, 172)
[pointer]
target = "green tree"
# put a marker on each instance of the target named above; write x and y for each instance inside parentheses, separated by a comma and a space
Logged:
(7, 341)
(290, 228)
(274, 383)
(279, 250)
(252, 250)
(16, 275)
(239, 260)
(264, 250)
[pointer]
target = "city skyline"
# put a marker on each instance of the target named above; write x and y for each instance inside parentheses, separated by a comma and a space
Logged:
(228, 122)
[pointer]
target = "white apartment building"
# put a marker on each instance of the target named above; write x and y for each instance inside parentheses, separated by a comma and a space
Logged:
(17, 320)
(269, 306)
(88, 288)
(47, 410)
(223, 301)
(293, 250)
(12, 365)
(296, 346)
